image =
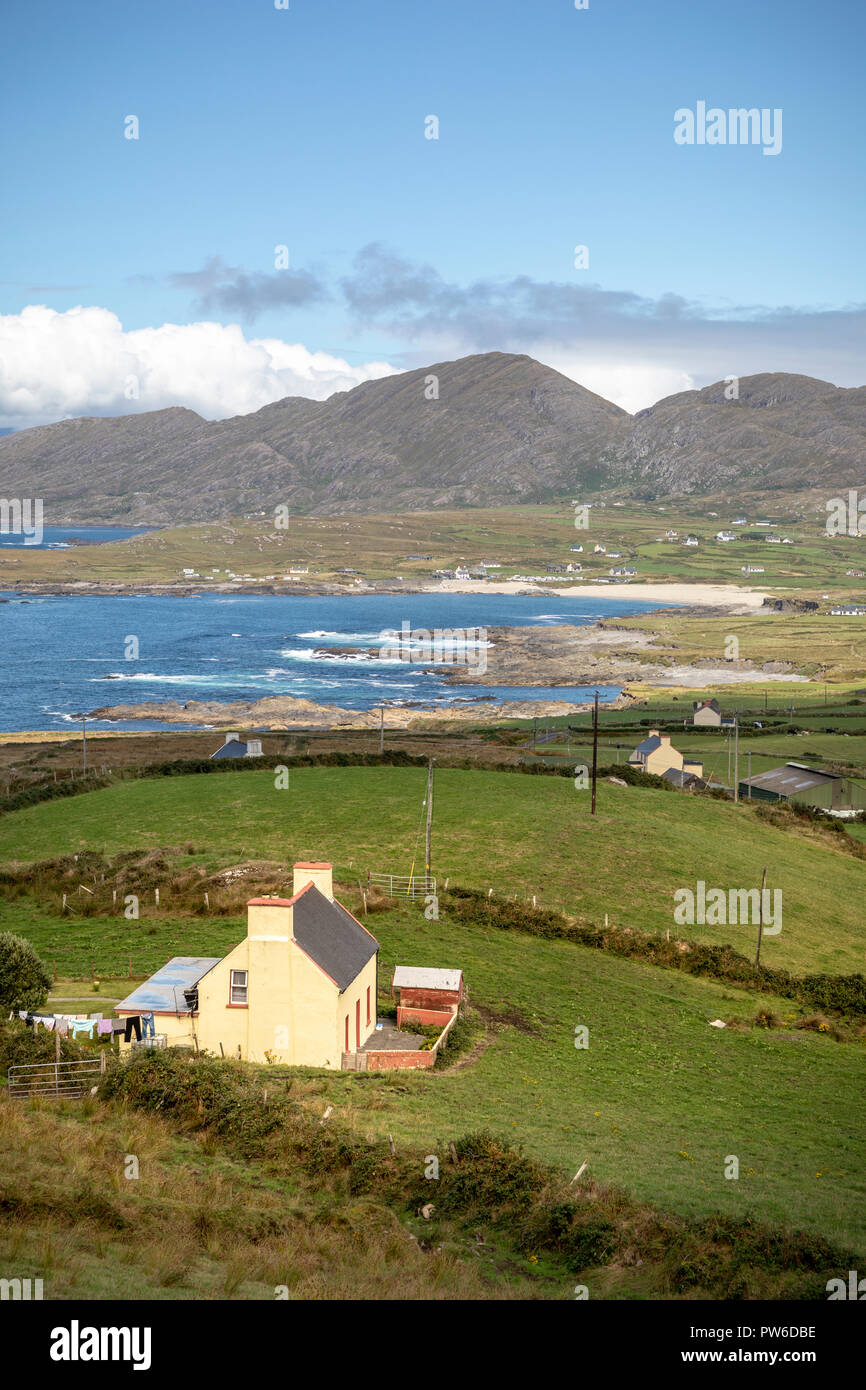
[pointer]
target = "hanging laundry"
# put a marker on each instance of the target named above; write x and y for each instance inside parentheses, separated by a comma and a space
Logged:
(147, 1028)
(133, 1024)
(118, 1025)
(81, 1026)
(62, 1027)
(104, 1026)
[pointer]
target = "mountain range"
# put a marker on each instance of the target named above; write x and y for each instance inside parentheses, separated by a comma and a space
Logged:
(485, 430)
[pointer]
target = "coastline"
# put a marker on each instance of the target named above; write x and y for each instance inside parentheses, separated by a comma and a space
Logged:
(675, 593)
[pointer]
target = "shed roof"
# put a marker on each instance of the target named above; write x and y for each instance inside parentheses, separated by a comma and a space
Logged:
(426, 977)
(163, 992)
(331, 936)
(792, 778)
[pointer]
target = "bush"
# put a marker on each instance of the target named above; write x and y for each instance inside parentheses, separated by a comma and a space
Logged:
(24, 980)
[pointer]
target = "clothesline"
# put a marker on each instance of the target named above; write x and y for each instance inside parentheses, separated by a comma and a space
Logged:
(77, 1024)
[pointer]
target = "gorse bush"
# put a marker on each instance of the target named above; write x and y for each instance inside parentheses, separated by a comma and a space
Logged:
(529, 1205)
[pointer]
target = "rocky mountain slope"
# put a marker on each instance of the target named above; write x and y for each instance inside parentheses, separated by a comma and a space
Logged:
(503, 429)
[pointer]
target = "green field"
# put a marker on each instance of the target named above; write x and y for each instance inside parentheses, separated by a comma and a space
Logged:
(659, 1100)
(519, 540)
(506, 831)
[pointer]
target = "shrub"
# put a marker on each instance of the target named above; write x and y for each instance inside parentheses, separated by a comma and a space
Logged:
(24, 980)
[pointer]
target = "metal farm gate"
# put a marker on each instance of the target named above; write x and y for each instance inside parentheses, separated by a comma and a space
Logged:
(67, 1080)
(403, 885)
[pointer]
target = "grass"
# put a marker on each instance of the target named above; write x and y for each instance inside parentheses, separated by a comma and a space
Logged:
(517, 834)
(658, 1100)
(519, 539)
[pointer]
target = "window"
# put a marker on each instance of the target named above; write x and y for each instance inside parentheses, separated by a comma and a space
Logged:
(238, 992)
(368, 1006)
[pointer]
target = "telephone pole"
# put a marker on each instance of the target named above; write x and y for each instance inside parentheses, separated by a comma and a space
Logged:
(84, 740)
(381, 728)
(594, 749)
(429, 826)
(736, 757)
(761, 918)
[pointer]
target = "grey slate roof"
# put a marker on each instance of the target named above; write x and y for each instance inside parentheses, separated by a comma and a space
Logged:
(163, 992)
(649, 744)
(331, 937)
(235, 749)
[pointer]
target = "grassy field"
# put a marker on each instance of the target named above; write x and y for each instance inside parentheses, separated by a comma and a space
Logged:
(516, 834)
(656, 1103)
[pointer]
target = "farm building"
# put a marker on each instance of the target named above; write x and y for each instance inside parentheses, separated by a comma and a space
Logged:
(656, 755)
(426, 995)
(811, 786)
(236, 747)
(299, 989)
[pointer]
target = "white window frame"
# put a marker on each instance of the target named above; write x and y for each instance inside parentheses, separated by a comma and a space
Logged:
(234, 984)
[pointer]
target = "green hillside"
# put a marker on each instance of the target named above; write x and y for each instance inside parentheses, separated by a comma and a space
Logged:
(506, 831)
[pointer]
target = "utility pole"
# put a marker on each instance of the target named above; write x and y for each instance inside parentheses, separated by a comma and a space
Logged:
(761, 918)
(729, 758)
(84, 740)
(429, 826)
(381, 728)
(749, 756)
(594, 749)
(736, 757)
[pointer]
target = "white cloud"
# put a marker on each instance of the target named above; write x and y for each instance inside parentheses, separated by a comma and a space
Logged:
(81, 362)
(631, 385)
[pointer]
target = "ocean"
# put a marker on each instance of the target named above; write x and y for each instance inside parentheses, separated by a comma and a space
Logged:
(63, 655)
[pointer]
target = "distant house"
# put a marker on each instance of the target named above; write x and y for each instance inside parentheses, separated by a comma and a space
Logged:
(573, 568)
(462, 572)
(578, 549)
(725, 536)
(622, 573)
(691, 540)
(599, 549)
(739, 521)
(812, 786)
(857, 574)
(708, 714)
(235, 747)
(657, 756)
(850, 610)
(772, 540)
(752, 569)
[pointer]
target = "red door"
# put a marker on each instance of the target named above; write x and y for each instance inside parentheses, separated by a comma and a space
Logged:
(357, 1023)
(346, 1049)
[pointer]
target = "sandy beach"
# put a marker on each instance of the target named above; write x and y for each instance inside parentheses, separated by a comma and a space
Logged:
(683, 595)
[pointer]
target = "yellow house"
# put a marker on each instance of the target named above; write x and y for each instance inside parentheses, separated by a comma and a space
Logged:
(299, 989)
(657, 755)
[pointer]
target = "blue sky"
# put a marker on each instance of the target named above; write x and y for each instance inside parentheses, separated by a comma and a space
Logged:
(304, 127)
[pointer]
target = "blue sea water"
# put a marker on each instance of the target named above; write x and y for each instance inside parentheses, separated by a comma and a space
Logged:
(63, 655)
(59, 537)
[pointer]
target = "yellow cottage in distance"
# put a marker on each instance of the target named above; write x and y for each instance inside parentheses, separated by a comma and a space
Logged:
(300, 989)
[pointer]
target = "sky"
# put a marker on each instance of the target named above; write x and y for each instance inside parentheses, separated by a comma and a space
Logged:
(218, 204)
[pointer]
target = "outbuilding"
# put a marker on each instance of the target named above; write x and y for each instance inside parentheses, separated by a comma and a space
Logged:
(426, 995)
